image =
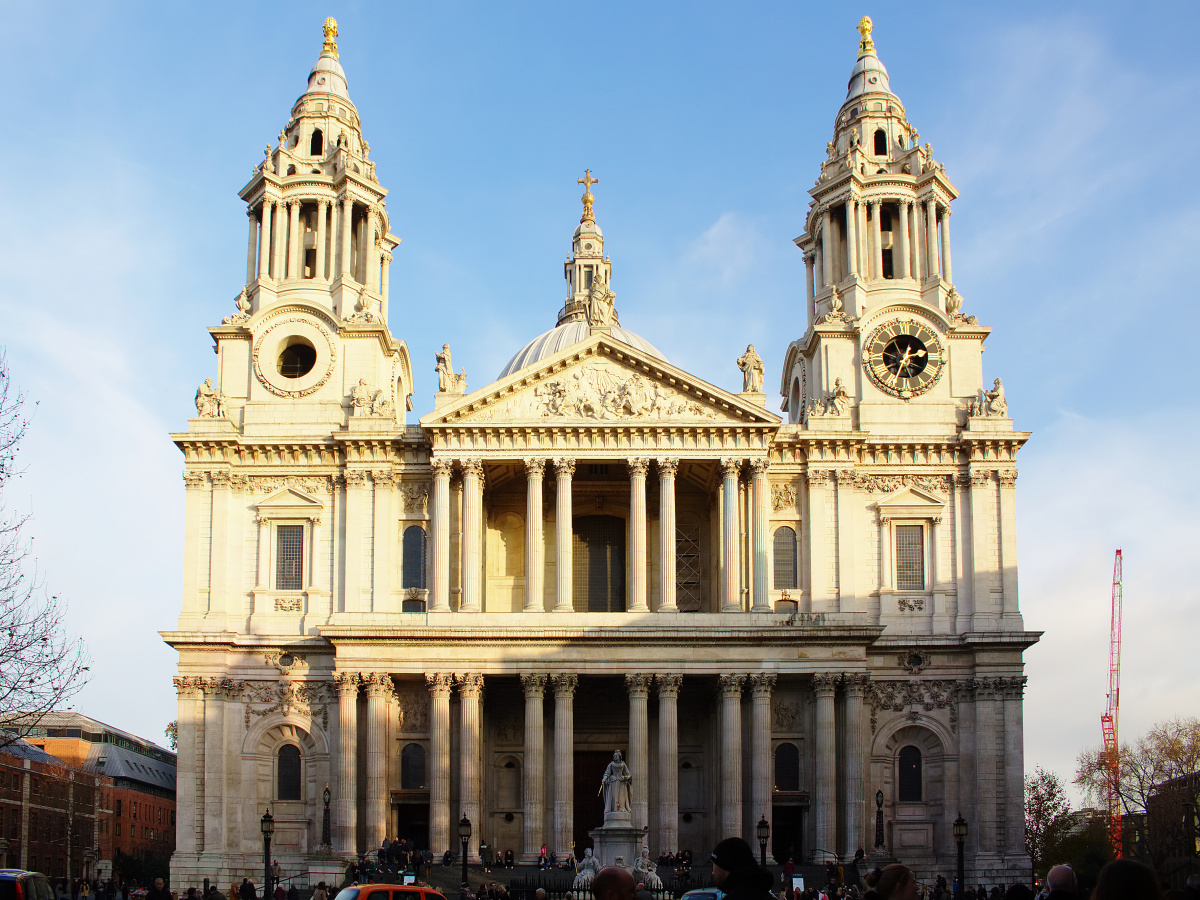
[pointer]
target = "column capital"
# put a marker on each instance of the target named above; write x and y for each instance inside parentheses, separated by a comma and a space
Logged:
(817, 478)
(470, 684)
(346, 683)
(667, 468)
(534, 466)
(759, 466)
(856, 684)
(668, 685)
(564, 467)
(762, 683)
(824, 684)
(730, 466)
(382, 477)
(564, 684)
(189, 686)
(731, 685)
(638, 685)
(439, 684)
(638, 467)
(534, 685)
(378, 684)
(441, 465)
(472, 467)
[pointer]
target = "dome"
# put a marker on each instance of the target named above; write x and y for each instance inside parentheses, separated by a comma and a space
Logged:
(328, 77)
(869, 76)
(563, 336)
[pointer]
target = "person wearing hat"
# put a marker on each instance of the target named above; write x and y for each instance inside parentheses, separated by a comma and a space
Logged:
(737, 873)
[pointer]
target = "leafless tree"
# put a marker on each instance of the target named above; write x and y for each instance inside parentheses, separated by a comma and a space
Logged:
(41, 665)
(1047, 816)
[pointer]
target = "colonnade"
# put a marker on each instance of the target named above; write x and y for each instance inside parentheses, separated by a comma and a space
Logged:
(471, 471)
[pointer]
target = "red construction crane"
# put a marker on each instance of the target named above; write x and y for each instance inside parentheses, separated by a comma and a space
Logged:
(1108, 721)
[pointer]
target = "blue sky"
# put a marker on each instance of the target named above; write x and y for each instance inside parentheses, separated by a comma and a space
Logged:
(131, 128)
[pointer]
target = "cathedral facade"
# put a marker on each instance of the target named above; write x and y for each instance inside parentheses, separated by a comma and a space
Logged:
(462, 610)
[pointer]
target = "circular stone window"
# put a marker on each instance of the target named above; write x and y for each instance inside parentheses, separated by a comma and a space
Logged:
(296, 359)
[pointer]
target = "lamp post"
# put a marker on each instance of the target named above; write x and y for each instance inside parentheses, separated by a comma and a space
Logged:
(326, 838)
(960, 835)
(763, 831)
(268, 828)
(464, 837)
(879, 842)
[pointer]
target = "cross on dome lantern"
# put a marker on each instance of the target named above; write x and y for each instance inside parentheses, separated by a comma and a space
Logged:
(587, 181)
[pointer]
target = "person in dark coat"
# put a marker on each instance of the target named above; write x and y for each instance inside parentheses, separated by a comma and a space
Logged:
(737, 873)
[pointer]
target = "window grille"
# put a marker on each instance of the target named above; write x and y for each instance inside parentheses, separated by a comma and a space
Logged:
(289, 557)
(785, 559)
(412, 768)
(289, 772)
(910, 558)
(787, 767)
(910, 775)
(599, 562)
(413, 561)
(687, 567)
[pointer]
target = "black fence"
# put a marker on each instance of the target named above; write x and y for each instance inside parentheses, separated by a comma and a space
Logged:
(557, 884)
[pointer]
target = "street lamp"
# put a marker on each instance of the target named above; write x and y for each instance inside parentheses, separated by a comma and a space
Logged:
(960, 835)
(879, 843)
(268, 828)
(464, 837)
(763, 831)
(326, 838)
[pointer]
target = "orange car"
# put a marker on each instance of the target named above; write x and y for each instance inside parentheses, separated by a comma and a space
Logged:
(389, 892)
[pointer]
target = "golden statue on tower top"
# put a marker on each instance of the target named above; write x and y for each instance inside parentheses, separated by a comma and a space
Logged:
(330, 45)
(866, 45)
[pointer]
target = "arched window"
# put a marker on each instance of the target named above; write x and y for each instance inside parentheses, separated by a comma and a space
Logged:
(881, 143)
(910, 775)
(289, 772)
(413, 558)
(317, 145)
(785, 559)
(412, 768)
(787, 768)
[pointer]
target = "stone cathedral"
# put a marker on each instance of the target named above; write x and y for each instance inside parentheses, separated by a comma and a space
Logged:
(465, 613)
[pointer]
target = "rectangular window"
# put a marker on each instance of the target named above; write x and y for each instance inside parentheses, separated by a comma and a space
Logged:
(289, 557)
(910, 558)
(118, 807)
(117, 829)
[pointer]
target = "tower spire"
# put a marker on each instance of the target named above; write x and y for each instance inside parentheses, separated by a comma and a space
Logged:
(330, 46)
(587, 181)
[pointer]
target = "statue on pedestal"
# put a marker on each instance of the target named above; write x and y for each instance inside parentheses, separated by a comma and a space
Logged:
(753, 370)
(588, 867)
(615, 786)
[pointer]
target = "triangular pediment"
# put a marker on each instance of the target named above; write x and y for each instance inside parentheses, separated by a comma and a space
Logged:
(291, 501)
(911, 502)
(601, 382)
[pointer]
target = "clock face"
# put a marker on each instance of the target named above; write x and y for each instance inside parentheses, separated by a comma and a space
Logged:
(904, 358)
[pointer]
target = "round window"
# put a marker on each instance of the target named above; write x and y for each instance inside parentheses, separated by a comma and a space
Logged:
(297, 358)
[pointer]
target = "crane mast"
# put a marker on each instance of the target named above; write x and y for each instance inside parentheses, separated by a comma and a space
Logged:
(1109, 721)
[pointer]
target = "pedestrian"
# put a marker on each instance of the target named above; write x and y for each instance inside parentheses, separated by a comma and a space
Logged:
(896, 882)
(1126, 879)
(737, 873)
(614, 883)
(246, 890)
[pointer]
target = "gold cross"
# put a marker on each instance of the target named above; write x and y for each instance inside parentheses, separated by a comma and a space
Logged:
(587, 180)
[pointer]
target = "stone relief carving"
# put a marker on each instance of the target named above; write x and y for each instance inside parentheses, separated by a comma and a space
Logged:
(310, 484)
(412, 711)
(900, 696)
(285, 661)
(263, 340)
(415, 497)
(915, 660)
(953, 305)
(783, 496)
(448, 382)
(753, 371)
(210, 403)
(886, 484)
(989, 403)
(288, 604)
(911, 604)
(242, 302)
(834, 403)
(786, 715)
(367, 400)
(509, 730)
(836, 315)
(305, 698)
(366, 308)
(599, 393)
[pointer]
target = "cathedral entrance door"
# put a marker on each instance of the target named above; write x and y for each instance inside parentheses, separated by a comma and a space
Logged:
(412, 822)
(787, 833)
(598, 549)
(589, 805)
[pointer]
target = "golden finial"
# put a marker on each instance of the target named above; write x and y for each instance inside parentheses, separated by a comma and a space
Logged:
(587, 181)
(866, 47)
(330, 45)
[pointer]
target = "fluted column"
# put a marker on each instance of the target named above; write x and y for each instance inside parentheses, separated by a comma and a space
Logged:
(825, 766)
(931, 239)
(761, 515)
(214, 764)
(264, 246)
(322, 237)
(827, 276)
(252, 245)
(281, 232)
(347, 261)
(472, 557)
(470, 698)
(439, 762)
(563, 567)
(535, 547)
(668, 759)
(914, 218)
(639, 747)
(346, 803)
(762, 764)
(441, 533)
(877, 239)
(947, 273)
(534, 780)
(379, 688)
(637, 535)
(854, 834)
(293, 256)
(900, 253)
(851, 237)
(730, 564)
(666, 536)
(564, 762)
(385, 258)
(357, 502)
(731, 754)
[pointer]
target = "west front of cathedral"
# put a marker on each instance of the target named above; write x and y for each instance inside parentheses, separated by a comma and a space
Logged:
(462, 609)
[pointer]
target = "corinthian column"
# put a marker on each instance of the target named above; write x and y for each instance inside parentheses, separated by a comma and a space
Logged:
(534, 542)
(731, 753)
(535, 774)
(760, 596)
(761, 686)
(379, 688)
(901, 252)
(729, 535)
(252, 245)
(294, 242)
(472, 535)
(851, 237)
(563, 572)
(346, 269)
(346, 806)
(264, 246)
(637, 535)
(827, 277)
(931, 238)
(639, 750)
(564, 762)
(439, 759)
(666, 538)
(441, 534)
(876, 239)
(947, 272)
(824, 769)
(854, 834)
(470, 698)
(668, 760)
(322, 237)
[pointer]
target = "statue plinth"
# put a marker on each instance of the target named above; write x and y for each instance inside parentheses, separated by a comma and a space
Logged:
(617, 842)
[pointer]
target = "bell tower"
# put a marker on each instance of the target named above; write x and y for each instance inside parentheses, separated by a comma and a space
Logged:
(588, 271)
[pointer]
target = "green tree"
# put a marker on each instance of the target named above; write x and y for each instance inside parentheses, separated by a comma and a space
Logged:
(1047, 817)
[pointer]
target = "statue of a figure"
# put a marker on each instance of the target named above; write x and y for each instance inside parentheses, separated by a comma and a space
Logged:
(645, 871)
(839, 400)
(996, 404)
(616, 785)
(600, 303)
(380, 404)
(448, 382)
(587, 869)
(752, 368)
(361, 396)
(210, 403)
